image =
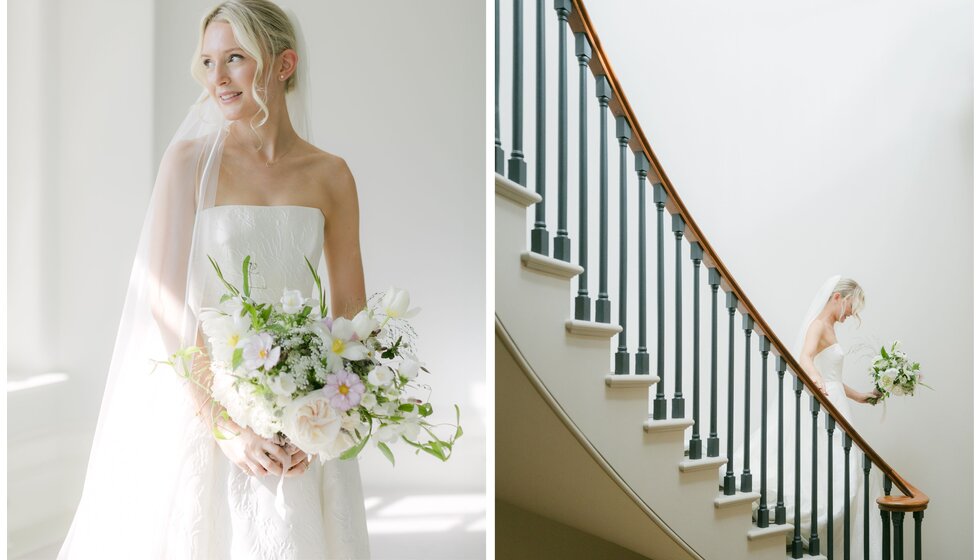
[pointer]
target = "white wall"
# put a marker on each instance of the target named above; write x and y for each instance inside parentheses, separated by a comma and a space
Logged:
(80, 166)
(399, 93)
(806, 141)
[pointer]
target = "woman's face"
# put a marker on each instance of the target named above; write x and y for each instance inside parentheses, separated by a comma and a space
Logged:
(229, 72)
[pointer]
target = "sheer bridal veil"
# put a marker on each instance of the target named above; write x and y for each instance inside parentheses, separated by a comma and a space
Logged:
(772, 403)
(152, 457)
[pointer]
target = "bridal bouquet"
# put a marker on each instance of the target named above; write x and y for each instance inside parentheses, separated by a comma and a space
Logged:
(894, 374)
(287, 370)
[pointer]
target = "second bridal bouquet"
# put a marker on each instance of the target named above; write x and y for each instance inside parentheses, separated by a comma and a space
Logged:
(327, 385)
(893, 373)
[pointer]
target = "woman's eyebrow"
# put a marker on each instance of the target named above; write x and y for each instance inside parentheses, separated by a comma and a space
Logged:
(227, 51)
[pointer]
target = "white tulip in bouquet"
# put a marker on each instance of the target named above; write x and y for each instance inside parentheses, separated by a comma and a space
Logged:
(894, 374)
(327, 385)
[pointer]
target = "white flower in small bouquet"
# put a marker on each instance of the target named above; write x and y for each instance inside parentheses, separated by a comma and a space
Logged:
(328, 385)
(894, 374)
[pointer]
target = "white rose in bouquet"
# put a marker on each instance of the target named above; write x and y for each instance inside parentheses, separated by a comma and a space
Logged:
(315, 427)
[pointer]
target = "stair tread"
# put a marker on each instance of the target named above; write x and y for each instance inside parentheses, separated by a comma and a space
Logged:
(735, 499)
(550, 265)
(515, 192)
(627, 381)
(705, 463)
(667, 425)
(772, 530)
(592, 328)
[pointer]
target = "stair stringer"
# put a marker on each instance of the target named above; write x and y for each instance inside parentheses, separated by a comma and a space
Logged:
(533, 308)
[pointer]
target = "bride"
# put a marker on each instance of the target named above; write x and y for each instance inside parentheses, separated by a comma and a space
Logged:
(170, 475)
(822, 358)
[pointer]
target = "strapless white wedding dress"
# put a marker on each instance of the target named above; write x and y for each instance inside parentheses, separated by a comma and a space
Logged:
(830, 363)
(324, 507)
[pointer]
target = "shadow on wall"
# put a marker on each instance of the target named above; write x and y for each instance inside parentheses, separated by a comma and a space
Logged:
(522, 535)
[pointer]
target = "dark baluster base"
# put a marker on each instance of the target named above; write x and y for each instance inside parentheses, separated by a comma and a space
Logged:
(729, 485)
(780, 512)
(498, 159)
(642, 363)
(694, 449)
(583, 307)
(814, 548)
(659, 408)
(712, 447)
(622, 363)
(603, 310)
(745, 484)
(796, 549)
(762, 518)
(517, 169)
(539, 241)
(563, 247)
(677, 407)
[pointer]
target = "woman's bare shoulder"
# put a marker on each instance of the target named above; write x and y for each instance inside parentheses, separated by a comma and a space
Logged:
(182, 156)
(334, 176)
(821, 333)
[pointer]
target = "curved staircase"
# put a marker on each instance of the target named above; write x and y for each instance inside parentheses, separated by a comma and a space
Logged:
(578, 439)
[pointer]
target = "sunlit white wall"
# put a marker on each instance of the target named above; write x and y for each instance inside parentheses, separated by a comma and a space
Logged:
(806, 140)
(398, 92)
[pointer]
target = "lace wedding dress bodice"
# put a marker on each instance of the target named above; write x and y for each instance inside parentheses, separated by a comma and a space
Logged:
(324, 507)
(277, 238)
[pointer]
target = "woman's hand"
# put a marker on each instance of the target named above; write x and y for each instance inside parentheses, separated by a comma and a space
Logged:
(869, 398)
(255, 454)
(818, 381)
(299, 461)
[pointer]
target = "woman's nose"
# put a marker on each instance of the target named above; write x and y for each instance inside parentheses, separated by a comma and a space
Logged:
(220, 75)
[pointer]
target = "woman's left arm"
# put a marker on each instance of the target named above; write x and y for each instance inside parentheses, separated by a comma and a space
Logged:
(342, 244)
(859, 396)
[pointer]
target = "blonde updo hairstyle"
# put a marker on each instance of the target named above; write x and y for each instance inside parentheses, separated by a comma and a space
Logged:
(849, 289)
(264, 31)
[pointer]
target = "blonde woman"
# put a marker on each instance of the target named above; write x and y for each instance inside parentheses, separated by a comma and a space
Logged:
(170, 475)
(821, 356)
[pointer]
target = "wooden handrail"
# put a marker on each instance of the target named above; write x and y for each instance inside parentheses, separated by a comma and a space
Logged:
(578, 20)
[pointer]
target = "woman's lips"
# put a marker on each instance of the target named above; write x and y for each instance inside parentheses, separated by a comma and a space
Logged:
(230, 97)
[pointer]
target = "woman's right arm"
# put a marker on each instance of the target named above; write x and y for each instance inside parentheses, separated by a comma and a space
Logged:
(809, 353)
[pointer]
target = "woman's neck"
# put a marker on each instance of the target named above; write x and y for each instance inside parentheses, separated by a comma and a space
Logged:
(272, 140)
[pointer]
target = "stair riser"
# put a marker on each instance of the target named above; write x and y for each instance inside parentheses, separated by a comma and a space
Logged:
(534, 309)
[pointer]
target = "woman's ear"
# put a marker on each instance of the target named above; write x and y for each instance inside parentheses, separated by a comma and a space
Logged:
(287, 63)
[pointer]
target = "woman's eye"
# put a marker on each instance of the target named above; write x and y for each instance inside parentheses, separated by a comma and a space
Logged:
(206, 62)
(232, 57)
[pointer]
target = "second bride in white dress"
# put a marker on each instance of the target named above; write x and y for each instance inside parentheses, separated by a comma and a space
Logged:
(822, 357)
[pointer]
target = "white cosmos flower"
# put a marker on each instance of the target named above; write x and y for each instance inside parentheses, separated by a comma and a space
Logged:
(292, 301)
(258, 352)
(338, 342)
(225, 333)
(898, 391)
(395, 304)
